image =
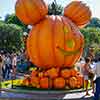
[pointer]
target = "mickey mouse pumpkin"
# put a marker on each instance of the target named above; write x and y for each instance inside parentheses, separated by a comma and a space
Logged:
(54, 41)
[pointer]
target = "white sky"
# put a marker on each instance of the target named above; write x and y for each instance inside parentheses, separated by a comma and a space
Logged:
(8, 6)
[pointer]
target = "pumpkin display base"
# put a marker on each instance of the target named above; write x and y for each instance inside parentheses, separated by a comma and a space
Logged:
(31, 93)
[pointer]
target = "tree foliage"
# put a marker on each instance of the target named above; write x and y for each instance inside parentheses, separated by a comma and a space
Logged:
(92, 38)
(55, 9)
(94, 22)
(10, 37)
(12, 19)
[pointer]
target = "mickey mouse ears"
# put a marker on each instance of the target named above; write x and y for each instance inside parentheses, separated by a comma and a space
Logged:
(78, 12)
(32, 11)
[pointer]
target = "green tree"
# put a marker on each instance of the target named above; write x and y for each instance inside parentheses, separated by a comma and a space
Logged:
(10, 37)
(92, 38)
(12, 19)
(94, 22)
(55, 9)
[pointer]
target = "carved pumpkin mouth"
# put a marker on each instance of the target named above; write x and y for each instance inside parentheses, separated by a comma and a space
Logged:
(68, 53)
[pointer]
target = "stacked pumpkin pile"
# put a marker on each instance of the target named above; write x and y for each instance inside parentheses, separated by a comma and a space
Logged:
(54, 78)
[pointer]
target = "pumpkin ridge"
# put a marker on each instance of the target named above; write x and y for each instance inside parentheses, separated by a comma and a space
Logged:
(44, 6)
(21, 1)
(64, 37)
(38, 9)
(53, 40)
(75, 11)
(29, 17)
(38, 45)
(83, 11)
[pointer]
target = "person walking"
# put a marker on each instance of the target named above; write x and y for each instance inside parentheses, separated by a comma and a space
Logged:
(3, 65)
(85, 70)
(14, 63)
(97, 81)
(7, 65)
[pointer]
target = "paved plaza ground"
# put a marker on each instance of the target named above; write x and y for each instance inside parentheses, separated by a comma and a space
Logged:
(77, 95)
(68, 96)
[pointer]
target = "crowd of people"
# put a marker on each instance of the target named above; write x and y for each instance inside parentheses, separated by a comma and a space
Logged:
(8, 65)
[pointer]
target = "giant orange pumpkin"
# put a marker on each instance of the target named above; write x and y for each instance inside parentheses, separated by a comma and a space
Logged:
(55, 41)
(31, 11)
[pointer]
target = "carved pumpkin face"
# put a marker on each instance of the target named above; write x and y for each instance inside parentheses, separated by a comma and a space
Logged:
(55, 41)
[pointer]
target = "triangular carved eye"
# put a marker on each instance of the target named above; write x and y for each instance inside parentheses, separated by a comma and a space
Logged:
(66, 30)
(78, 12)
(31, 11)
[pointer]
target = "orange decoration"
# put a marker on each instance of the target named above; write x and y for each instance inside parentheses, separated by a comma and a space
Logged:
(31, 11)
(44, 83)
(59, 83)
(73, 82)
(54, 44)
(78, 12)
(67, 81)
(34, 81)
(40, 74)
(65, 73)
(26, 82)
(80, 80)
(55, 41)
(52, 73)
(73, 72)
(34, 73)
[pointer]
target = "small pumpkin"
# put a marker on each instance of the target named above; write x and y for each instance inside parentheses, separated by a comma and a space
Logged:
(65, 73)
(31, 11)
(59, 82)
(80, 81)
(44, 83)
(34, 81)
(73, 82)
(52, 73)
